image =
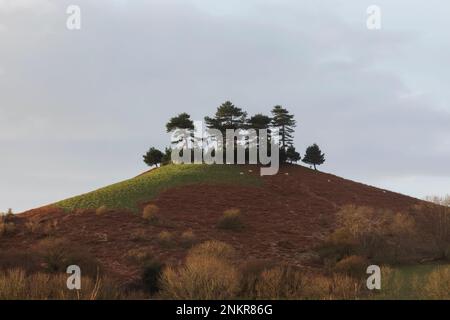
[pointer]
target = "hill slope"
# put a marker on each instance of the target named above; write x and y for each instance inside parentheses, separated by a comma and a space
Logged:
(284, 215)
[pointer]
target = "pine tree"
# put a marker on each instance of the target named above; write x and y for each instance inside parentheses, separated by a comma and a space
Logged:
(285, 123)
(227, 116)
(186, 136)
(259, 122)
(314, 156)
(182, 121)
(153, 157)
(292, 156)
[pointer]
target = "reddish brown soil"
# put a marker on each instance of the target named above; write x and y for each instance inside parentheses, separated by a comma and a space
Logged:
(287, 216)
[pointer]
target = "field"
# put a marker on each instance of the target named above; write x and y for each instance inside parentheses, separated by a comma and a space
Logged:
(128, 194)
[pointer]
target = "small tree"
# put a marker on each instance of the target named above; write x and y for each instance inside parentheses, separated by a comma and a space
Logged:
(292, 156)
(314, 156)
(153, 157)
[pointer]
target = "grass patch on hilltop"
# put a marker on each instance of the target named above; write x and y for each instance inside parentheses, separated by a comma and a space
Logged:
(130, 193)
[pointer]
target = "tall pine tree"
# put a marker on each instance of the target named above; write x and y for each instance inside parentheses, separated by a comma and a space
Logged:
(285, 123)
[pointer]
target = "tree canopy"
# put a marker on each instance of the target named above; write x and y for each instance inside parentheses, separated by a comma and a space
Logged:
(314, 156)
(228, 116)
(153, 157)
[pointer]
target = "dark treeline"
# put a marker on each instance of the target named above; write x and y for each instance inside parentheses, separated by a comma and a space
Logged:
(228, 116)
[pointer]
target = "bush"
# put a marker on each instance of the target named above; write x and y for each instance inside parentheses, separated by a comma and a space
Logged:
(281, 283)
(6, 228)
(231, 220)
(202, 278)
(215, 249)
(32, 226)
(151, 276)
(150, 213)
(380, 235)
(15, 284)
(166, 239)
(438, 284)
(49, 228)
(138, 235)
(139, 256)
(433, 227)
(250, 274)
(58, 254)
(208, 273)
(188, 239)
(26, 260)
(355, 266)
(101, 210)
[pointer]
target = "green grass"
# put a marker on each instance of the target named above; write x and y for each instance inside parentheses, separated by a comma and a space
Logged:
(407, 282)
(130, 193)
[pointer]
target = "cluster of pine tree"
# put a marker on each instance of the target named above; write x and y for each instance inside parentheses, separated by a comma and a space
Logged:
(228, 116)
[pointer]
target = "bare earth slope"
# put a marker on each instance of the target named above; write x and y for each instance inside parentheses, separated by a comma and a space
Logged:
(284, 218)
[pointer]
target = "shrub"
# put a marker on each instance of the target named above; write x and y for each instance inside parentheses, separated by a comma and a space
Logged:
(438, 284)
(250, 274)
(27, 260)
(166, 239)
(343, 287)
(6, 228)
(138, 235)
(433, 227)
(281, 283)
(208, 273)
(151, 275)
(188, 239)
(58, 254)
(353, 266)
(32, 226)
(284, 282)
(150, 213)
(215, 249)
(49, 228)
(380, 235)
(9, 214)
(101, 210)
(231, 220)
(202, 278)
(338, 245)
(15, 284)
(139, 255)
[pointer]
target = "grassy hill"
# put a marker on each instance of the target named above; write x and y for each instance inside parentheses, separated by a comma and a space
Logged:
(301, 218)
(130, 193)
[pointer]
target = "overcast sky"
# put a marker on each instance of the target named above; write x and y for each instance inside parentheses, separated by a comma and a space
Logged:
(79, 108)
